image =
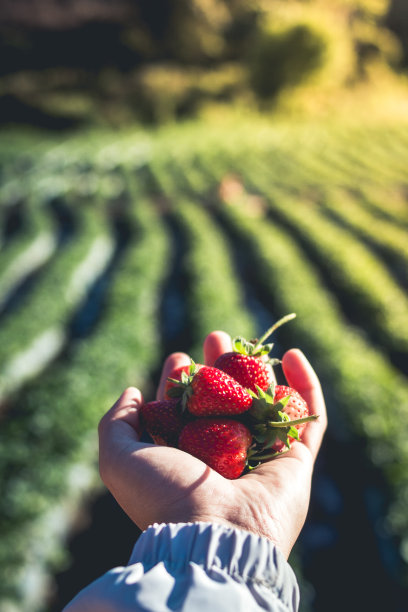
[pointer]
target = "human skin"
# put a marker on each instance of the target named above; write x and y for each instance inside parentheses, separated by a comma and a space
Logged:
(159, 484)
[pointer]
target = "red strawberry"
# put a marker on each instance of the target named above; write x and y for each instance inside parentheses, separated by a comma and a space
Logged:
(179, 374)
(250, 371)
(221, 443)
(296, 409)
(163, 420)
(279, 416)
(248, 362)
(211, 392)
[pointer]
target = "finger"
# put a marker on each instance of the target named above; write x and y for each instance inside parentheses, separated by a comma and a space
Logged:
(173, 361)
(119, 428)
(125, 409)
(215, 344)
(301, 376)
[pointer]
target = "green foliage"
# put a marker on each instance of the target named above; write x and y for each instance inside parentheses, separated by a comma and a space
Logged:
(384, 235)
(214, 297)
(188, 54)
(65, 277)
(48, 442)
(17, 256)
(358, 276)
(282, 59)
(354, 374)
(273, 192)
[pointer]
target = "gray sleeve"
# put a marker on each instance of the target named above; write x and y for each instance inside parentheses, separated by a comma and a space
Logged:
(189, 567)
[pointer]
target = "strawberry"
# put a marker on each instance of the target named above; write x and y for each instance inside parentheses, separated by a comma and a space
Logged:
(211, 392)
(220, 443)
(278, 416)
(250, 371)
(248, 362)
(179, 374)
(163, 420)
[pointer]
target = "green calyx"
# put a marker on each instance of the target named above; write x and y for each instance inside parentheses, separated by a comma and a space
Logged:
(257, 348)
(255, 457)
(182, 388)
(269, 421)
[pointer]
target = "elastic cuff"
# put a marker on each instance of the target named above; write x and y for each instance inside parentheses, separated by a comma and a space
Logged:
(242, 555)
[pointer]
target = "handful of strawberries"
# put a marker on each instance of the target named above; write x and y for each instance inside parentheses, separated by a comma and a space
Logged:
(232, 416)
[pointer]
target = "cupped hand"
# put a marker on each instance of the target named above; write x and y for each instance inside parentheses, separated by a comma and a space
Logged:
(159, 484)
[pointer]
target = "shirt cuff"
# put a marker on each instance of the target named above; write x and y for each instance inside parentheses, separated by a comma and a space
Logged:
(218, 549)
(189, 567)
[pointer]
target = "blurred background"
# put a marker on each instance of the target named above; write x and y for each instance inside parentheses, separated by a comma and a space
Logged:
(279, 126)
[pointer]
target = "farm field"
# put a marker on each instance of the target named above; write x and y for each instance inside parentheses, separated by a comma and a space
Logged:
(118, 248)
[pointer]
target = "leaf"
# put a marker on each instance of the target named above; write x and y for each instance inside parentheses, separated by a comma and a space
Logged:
(293, 433)
(282, 402)
(264, 350)
(175, 391)
(242, 346)
(193, 368)
(270, 438)
(271, 389)
(260, 410)
(282, 434)
(260, 437)
(261, 393)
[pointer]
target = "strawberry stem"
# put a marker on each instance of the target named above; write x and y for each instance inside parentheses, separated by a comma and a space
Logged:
(307, 419)
(270, 331)
(261, 457)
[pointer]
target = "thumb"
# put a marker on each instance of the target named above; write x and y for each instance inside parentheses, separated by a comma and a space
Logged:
(119, 429)
(126, 409)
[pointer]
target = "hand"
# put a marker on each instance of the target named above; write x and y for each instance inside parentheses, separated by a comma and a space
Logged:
(159, 484)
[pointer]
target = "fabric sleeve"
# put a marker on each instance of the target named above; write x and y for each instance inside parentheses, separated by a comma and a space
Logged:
(195, 567)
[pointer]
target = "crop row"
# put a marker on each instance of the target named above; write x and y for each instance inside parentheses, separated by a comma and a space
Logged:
(214, 298)
(380, 149)
(389, 239)
(352, 156)
(30, 249)
(307, 159)
(359, 382)
(48, 443)
(57, 293)
(356, 274)
(388, 203)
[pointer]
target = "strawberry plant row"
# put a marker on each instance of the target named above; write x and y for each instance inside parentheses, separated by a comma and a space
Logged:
(48, 445)
(28, 251)
(389, 239)
(355, 375)
(356, 274)
(214, 297)
(378, 150)
(336, 248)
(58, 291)
(315, 155)
(306, 158)
(388, 203)
(351, 156)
